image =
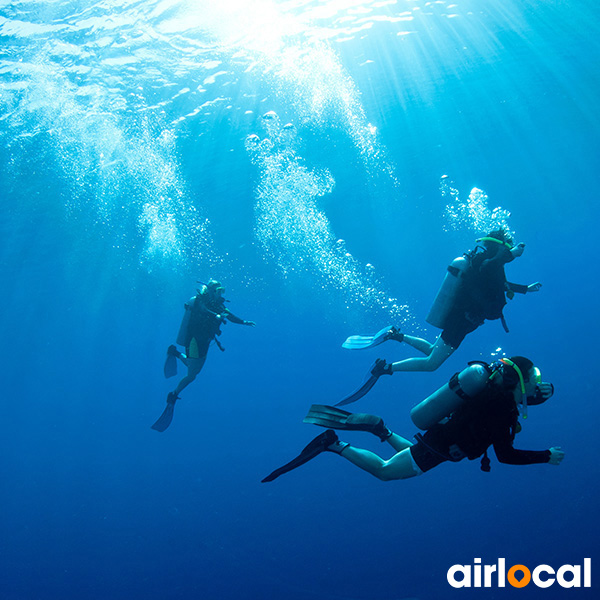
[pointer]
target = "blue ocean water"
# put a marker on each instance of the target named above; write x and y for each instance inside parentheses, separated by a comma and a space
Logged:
(326, 160)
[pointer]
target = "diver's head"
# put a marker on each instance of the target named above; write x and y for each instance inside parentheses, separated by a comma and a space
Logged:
(522, 376)
(215, 288)
(517, 372)
(494, 240)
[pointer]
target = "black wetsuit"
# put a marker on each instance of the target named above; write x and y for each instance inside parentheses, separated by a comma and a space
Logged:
(205, 323)
(483, 295)
(488, 419)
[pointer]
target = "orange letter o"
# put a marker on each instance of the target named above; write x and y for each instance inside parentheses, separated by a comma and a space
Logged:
(514, 581)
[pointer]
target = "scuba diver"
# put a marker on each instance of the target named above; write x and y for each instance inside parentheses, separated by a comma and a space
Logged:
(201, 324)
(478, 408)
(474, 289)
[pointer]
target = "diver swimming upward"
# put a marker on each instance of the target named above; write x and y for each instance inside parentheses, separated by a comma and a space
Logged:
(201, 324)
(474, 289)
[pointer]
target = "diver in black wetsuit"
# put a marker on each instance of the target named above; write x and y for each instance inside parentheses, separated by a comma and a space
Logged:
(205, 313)
(489, 418)
(483, 295)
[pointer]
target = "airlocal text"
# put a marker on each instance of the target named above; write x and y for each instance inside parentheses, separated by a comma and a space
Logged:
(519, 576)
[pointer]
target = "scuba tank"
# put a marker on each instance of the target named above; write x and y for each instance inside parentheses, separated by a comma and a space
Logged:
(443, 402)
(448, 292)
(184, 335)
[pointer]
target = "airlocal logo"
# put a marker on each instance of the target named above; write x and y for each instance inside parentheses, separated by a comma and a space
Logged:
(519, 576)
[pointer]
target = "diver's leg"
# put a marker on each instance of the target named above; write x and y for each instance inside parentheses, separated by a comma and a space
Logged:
(439, 353)
(400, 466)
(183, 358)
(194, 366)
(419, 344)
(398, 443)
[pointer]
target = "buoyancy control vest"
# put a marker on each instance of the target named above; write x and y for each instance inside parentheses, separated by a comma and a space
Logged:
(474, 425)
(486, 287)
(199, 320)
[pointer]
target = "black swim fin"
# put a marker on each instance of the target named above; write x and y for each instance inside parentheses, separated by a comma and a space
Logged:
(165, 419)
(170, 368)
(314, 448)
(377, 369)
(336, 418)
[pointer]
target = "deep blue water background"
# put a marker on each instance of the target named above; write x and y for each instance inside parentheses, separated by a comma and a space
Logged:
(502, 97)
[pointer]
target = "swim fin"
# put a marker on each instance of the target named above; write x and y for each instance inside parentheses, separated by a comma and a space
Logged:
(378, 368)
(314, 448)
(170, 368)
(360, 342)
(336, 418)
(165, 419)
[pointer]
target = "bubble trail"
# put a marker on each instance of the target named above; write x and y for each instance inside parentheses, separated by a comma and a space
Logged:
(295, 233)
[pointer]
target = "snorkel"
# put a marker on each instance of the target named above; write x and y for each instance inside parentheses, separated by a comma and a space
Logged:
(510, 363)
(498, 371)
(507, 245)
(536, 378)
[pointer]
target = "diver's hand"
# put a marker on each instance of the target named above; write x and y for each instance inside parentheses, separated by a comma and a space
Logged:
(381, 368)
(518, 250)
(556, 455)
(546, 389)
(534, 287)
(249, 323)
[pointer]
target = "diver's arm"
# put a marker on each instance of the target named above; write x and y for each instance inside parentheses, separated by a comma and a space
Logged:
(195, 303)
(516, 251)
(233, 319)
(203, 308)
(511, 456)
(502, 256)
(518, 288)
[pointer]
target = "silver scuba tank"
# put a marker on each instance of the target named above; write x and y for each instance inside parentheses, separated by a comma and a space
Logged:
(443, 402)
(183, 337)
(448, 292)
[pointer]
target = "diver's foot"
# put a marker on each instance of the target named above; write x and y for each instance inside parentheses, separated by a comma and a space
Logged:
(172, 397)
(320, 443)
(394, 334)
(172, 351)
(371, 423)
(337, 447)
(382, 432)
(329, 442)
